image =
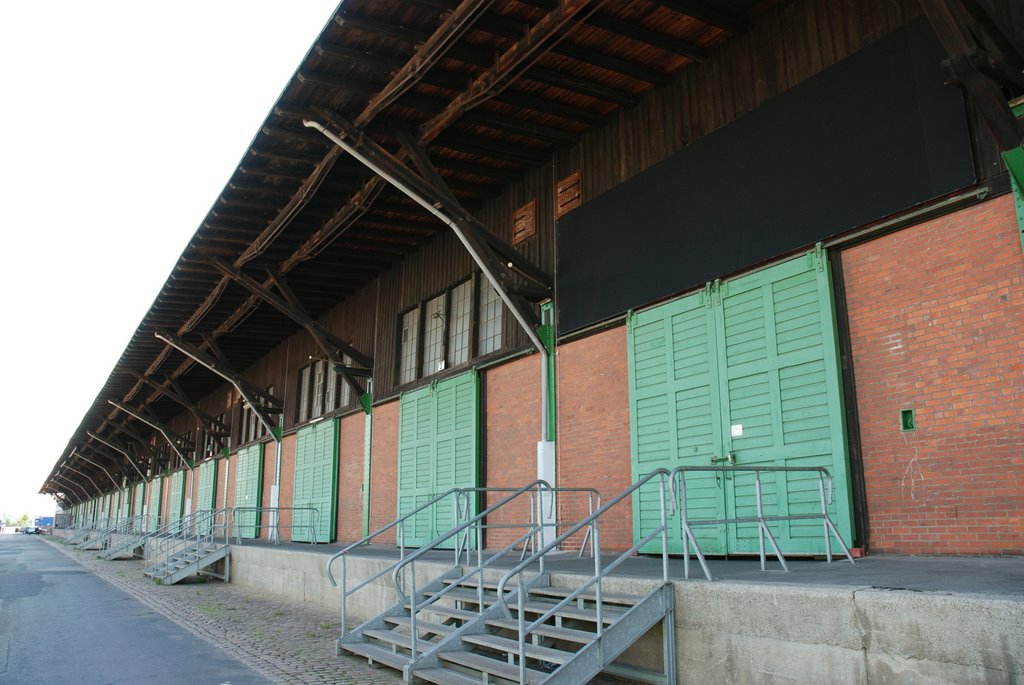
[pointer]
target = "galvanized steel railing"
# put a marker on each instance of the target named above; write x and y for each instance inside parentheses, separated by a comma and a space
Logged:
(274, 526)
(399, 526)
(678, 483)
(201, 527)
(462, 531)
(403, 574)
(601, 570)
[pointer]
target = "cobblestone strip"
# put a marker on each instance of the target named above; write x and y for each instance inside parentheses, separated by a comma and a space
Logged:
(288, 642)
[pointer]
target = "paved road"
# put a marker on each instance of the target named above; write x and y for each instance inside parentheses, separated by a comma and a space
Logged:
(60, 623)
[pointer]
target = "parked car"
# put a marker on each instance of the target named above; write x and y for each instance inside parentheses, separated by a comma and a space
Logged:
(30, 530)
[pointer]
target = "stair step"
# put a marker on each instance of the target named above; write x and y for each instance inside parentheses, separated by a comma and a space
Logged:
(403, 640)
(421, 625)
(446, 676)
(377, 654)
(554, 632)
(461, 595)
(607, 615)
(613, 597)
(504, 644)
(450, 612)
(485, 664)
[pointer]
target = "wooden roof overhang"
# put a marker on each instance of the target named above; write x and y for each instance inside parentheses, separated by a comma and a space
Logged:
(487, 89)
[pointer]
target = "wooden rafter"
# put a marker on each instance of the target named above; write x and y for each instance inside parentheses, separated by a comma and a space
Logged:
(511, 63)
(172, 390)
(173, 440)
(982, 74)
(455, 24)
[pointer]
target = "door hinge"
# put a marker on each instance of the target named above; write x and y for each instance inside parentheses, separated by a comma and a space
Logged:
(718, 291)
(819, 256)
(708, 293)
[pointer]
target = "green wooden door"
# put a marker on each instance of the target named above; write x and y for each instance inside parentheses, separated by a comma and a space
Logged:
(316, 481)
(176, 497)
(675, 407)
(437, 450)
(206, 495)
(249, 489)
(782, 399)
(156, 491)
(207, 492)
(138, 497)
(756, 376)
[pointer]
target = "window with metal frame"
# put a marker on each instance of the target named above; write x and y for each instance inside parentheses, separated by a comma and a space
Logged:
(449, 330)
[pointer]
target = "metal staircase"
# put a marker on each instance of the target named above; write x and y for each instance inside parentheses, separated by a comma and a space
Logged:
(478, 623)
(189, 547)
(127, 538)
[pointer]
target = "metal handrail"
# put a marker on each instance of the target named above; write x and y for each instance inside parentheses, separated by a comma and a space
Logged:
(189, 527)
(274, 526)
(685, 523)
(600, 570)
(399, 522)
(108, 530)
(477, 522)
(593, 496)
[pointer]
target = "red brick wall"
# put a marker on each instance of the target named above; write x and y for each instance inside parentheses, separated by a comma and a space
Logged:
(350, 478)
(384, 470)
(218, 497)
(593, 429)
(511, 404)
(287, 496)
(937, 325)
(231, 464)
(269, 467)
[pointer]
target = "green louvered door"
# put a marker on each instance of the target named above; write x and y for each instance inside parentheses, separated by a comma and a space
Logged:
(749, 368)
(206, 496)
(176, 497)
(138, 497)
(316, 481)
(437, 451)
(249, 489)
(676, 411)
(782, 400)
(156, 491)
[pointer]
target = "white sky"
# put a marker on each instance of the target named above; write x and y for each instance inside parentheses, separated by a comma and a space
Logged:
(120, 123)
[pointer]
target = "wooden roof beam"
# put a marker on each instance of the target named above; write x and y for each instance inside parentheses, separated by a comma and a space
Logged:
(708, 15)
(112, 444)
(289, 305)
(170, 389)
(454, 26)
(511, 63)
(642, 34)
(175, 441)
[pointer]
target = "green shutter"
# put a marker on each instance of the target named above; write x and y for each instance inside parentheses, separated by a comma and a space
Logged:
(176, 498)
(138, 497)
(675, 409)
(156, 491)
(249, 489)
(206, 495)
(437, 451)
(316, 481)
(749, 367)
(780, 376)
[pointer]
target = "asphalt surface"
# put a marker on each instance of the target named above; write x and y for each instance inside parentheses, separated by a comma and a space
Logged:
(67, 616)
(59, 623)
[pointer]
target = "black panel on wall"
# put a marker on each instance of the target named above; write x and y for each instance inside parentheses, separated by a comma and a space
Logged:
(872, 135)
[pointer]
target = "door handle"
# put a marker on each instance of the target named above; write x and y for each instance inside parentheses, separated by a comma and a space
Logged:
(729, 457)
